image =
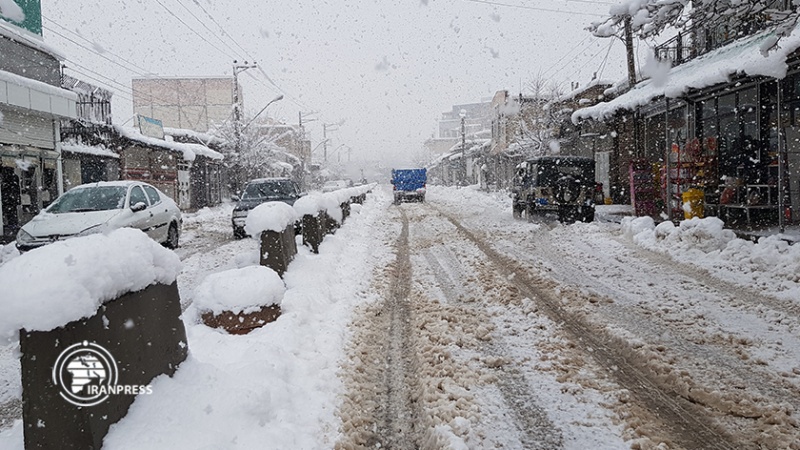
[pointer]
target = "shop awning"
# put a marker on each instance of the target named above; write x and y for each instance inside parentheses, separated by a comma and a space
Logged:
(26, 93)
(742, 57)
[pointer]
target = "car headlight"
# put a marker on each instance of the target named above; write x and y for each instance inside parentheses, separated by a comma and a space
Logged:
(23, 237)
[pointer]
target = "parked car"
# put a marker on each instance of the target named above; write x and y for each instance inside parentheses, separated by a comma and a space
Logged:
(260, 191)
(409, 184)
(98, 207)
(562, 184)
(335, 185)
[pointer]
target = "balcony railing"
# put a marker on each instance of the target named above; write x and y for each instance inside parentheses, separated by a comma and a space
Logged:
(702, 39)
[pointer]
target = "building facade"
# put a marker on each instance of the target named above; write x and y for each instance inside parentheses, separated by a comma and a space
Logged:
(196, 103)
(32, 104)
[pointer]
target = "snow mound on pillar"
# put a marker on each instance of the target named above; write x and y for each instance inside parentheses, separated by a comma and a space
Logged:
(69, 280)
(270, 216)
(307, 206)
(243, 290)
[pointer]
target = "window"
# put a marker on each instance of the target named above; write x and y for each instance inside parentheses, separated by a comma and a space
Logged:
(137, 195)
(152, 194)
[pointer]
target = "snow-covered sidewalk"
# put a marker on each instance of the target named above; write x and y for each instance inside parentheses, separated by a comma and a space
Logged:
(278, 386)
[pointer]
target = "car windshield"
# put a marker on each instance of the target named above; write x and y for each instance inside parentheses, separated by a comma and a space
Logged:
(273, 189)
(97, 198)
(549, 173)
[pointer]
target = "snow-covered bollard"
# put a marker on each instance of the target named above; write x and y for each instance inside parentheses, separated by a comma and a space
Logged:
(98, 319)
(240, 300)
(273, 223)
(331, 205)
(309, 209)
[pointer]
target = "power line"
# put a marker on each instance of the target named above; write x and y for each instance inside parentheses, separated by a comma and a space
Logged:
(535, 8)
(192, 29)
(261, 70)
(590, 2)
(206, 27)
(199, 5)
(605, 60)
(91, 43)
(565, 55)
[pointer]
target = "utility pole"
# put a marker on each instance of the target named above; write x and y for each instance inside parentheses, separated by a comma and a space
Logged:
(629, 50)
(237, 103)
(325, 142)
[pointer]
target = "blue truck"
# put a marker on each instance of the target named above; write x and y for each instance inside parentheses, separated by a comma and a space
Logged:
(409, 184)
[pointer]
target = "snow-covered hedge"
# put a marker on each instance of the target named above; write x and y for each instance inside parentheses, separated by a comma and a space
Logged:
(69, 280)
(270, 216)
(242, 290)
(330, 202)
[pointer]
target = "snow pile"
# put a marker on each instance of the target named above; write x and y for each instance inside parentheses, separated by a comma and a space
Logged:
(7, 253)
(704, 235)
(771, 263)
(270, 216)
(242, 290)
(66, 281)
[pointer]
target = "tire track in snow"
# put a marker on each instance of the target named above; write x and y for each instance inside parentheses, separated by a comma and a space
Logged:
(536, 429)
(378, 408)
(688, 424)
(397, 428)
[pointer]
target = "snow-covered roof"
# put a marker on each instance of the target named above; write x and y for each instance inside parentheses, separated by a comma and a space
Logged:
(29, 39)
(202, 137)
(95, 150)
(577, 92)
(743, 56)
(189, 151)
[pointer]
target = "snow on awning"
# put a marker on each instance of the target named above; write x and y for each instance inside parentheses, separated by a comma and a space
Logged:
(94, 150)
(34, 95)
(718, 66)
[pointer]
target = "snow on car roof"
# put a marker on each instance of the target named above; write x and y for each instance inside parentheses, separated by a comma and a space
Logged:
(122, 183)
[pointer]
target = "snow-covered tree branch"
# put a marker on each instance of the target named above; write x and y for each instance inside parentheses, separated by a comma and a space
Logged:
(649, 18)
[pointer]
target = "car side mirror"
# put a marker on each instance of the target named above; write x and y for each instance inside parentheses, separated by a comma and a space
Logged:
(235, 198)
(139, 206)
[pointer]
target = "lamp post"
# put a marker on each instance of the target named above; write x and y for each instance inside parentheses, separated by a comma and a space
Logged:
(279, 97)
(237, 102)
(463, 172)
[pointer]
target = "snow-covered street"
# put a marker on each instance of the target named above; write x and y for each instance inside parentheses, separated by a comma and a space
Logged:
(451, 325)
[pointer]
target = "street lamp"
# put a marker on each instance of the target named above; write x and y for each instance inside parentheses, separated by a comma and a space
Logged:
(463, 172)
(279, 97)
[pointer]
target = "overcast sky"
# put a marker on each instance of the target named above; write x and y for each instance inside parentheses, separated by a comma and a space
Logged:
(387, 69)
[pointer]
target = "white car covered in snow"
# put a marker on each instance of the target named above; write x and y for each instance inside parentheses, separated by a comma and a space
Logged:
(98, 207)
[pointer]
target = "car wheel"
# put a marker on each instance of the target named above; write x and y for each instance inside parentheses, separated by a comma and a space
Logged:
(238, 233)
(530, 212)
(568, 214)
(587, 214)
(516, 211)
(172, 237)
